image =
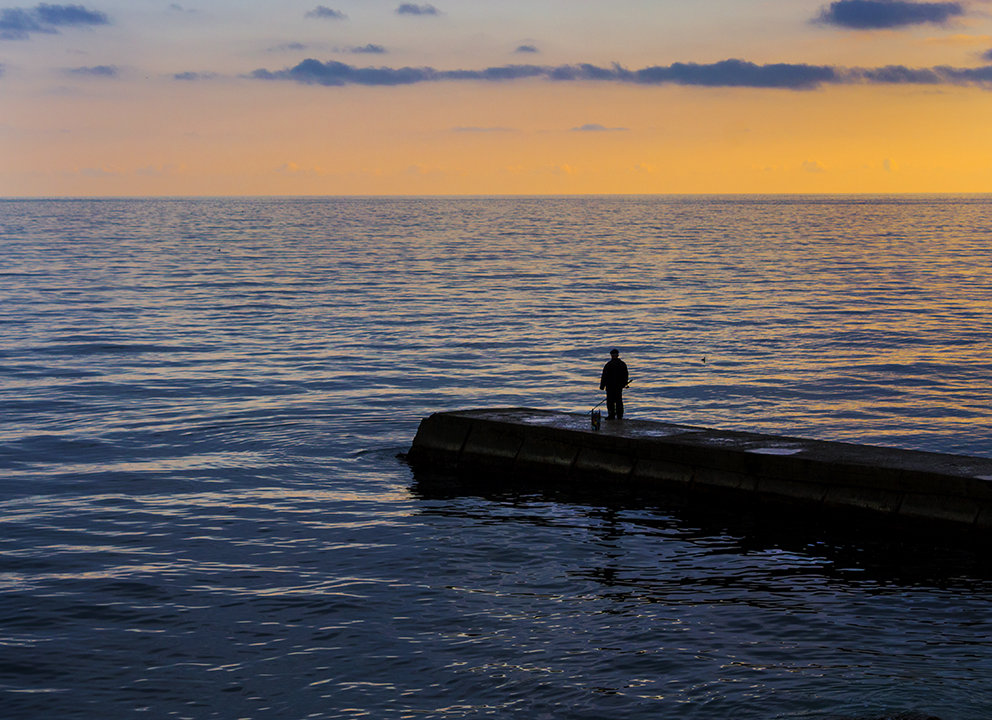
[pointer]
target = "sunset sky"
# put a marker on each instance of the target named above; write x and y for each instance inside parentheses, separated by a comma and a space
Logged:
(379, 97)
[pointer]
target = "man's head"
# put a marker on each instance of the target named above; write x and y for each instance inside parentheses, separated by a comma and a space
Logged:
(614, 353)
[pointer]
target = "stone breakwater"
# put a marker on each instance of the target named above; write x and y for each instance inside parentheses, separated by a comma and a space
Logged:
(564, 448)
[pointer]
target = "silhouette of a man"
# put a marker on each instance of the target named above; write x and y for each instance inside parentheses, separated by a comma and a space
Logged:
(613, 381)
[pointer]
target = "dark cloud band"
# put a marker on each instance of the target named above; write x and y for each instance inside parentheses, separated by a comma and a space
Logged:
(881, 14)
(738, 73)
(726, 74)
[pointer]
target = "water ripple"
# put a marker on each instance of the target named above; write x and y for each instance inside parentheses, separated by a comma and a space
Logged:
(203, 515)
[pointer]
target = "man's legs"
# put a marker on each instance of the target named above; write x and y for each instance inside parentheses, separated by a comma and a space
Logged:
(614, 404)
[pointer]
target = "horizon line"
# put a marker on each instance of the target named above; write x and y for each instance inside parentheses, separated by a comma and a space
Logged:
(925, 193)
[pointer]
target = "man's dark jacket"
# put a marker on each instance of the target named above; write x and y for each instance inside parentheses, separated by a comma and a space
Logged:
(614, 376)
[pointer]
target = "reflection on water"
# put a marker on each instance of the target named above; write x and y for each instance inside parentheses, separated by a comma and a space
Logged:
(202, 514)
(714, 610)
(839, 545)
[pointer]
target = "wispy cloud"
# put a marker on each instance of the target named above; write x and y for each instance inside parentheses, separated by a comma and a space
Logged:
(104, 171)
(106, 71)
(194, 76)
(882, 14)
(902, 75)
(314, 72)
(326, 13)
(288, 47)
(597, 128)
(499, 73)
(370, 49)
(726, 74)
(526, 49)
(412, 9)
(20, 23)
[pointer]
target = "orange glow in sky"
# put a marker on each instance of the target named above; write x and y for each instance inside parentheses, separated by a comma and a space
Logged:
(560, 97)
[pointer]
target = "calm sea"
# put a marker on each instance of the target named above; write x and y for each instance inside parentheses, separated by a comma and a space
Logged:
(202, 512)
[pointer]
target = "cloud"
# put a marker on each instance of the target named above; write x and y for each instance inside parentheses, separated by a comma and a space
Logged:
(194, 76)
(900, 75)
(20, 23)
(812, 166)
(738, 73)
(725, 74)
(16, 24)
(69, 15)
(504, 72)
(987, 55)
(881, 14)
(596, 127)
(326, 13)
(314, 72)
(526, 49)
(968, 76)
(412, 9)
(108, 71)
(100, 172)
(370, 49)
(288, 47)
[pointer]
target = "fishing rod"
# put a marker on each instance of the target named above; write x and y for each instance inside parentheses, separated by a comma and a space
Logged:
(596, 416)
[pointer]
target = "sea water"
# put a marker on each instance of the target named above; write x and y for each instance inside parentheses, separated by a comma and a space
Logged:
(203, 515)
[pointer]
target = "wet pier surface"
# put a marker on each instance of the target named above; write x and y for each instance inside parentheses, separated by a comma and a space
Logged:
(564, 448)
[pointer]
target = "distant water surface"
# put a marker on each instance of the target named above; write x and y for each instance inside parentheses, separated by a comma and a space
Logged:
(202, 514)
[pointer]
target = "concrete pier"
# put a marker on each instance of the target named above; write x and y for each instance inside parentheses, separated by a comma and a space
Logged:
(563, 448)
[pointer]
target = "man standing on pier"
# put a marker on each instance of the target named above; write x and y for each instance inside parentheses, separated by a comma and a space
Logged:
(613, 381)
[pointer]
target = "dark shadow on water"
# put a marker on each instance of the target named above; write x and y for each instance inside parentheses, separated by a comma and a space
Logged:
(856, 546)
(897, 716)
